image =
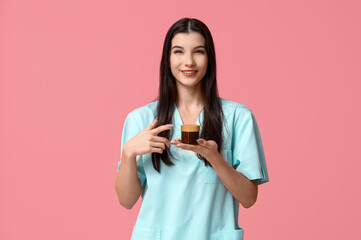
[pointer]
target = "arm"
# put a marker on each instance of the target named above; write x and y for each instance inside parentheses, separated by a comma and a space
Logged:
(127, 184)
(244, 190)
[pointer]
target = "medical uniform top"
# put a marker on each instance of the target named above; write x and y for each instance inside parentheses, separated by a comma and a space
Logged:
(188, 201)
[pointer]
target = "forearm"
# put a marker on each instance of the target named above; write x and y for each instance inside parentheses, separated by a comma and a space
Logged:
(127, 184)
(244, 190)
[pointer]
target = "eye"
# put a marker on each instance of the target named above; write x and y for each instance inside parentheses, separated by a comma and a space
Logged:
(177, 51)
(199, 51)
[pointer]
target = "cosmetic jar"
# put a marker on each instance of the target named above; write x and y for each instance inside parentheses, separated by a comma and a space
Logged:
(190, 133)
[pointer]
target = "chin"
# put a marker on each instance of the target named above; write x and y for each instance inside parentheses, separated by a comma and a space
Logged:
(189, 83)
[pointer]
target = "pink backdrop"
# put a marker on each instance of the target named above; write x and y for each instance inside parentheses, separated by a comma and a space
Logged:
(72, 70)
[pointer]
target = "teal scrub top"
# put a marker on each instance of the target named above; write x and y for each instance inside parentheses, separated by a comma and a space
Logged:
(188, 200)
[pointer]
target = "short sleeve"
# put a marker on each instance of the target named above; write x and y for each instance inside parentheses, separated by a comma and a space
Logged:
(248, 153)
(130, 129)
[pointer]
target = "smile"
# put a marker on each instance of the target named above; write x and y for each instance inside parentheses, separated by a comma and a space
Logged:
(189, 73)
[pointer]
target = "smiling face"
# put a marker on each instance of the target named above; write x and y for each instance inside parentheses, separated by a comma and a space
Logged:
(188, 53)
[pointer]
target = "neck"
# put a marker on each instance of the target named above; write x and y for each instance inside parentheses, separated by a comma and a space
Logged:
(189, 97)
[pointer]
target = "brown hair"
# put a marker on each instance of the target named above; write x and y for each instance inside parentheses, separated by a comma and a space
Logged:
(212, 111)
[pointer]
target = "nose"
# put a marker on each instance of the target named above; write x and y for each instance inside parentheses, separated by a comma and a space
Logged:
(189, 61)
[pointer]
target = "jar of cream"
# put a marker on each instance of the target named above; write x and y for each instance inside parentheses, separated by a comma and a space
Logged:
(190, 133)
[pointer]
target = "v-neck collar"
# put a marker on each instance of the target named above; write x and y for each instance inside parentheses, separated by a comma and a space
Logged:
(179, 121)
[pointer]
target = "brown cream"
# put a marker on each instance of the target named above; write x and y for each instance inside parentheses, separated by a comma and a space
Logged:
(190, 133)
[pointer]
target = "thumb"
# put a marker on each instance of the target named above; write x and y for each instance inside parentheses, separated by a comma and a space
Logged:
(207, 144)
(152, 125)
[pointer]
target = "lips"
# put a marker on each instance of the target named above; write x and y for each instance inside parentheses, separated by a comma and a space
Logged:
(189, 73)
(189, 70)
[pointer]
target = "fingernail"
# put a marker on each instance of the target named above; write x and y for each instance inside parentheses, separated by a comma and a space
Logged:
(156, 118)
(200, 141)
(170, 125)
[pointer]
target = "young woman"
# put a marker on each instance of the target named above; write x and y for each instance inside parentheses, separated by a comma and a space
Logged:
(190, 191)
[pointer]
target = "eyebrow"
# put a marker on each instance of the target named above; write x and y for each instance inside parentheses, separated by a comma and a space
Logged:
(200, 46)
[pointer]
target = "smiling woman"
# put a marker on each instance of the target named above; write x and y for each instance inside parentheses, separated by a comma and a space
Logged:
(188, 59)
(190, 191)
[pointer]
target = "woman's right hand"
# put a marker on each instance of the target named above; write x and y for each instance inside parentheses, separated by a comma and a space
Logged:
(147, 141)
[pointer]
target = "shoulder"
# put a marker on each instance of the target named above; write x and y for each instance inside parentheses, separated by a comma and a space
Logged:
(146, 112)
(234, 108)
(237, 117)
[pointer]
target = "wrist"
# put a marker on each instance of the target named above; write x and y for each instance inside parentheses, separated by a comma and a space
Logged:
(127, 152)
(212, 158)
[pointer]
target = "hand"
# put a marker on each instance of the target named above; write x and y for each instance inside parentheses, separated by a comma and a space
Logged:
(147, 141)
(205, 148)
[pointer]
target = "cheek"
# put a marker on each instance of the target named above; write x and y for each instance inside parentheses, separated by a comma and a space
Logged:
(173, 69)
(174, 63)
(205, 65)
(203, 61)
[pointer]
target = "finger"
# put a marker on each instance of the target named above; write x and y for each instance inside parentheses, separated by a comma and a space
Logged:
(157, 150)
(158, 145)
(207, 144)
(190, 147)
(176, 141)
(152, 125)
(161, 139)
(162, 128)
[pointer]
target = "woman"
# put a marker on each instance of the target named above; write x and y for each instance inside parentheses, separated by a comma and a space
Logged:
(190, 191)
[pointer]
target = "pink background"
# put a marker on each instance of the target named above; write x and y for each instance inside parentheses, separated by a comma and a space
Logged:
(72, 70)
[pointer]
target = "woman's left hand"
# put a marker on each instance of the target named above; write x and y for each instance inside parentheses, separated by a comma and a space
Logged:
(204, 148)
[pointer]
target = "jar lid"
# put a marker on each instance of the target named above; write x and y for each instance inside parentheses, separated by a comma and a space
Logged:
(190, 128)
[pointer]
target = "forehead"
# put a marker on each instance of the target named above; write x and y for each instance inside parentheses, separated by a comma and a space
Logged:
(188, 39)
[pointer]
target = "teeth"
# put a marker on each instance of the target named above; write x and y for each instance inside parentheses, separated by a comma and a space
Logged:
(189, 71)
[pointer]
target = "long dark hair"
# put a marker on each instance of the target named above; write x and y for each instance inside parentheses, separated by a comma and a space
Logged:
(167, 96)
